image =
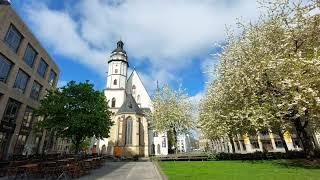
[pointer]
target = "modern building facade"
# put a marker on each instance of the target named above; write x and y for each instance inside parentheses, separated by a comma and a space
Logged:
(183, 143)
(26, 73)
(130, 103)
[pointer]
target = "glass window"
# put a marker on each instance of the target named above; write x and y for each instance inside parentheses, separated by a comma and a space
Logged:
(138, 99)
(21, 141)
(133, 90)
(35, 91)
(254, 144)
(13, 38)
(5, 67)
(42, 68)
(278, 143)
(141, 132)
(129, 132)
(36, 145)
(296, 143)
(52, 77)
(21, 81)
(116, 71)
(12, 110)
(113, 102)
(155, 134)
(115, 82)
(27, 118)
(164, 141)
(29, 55)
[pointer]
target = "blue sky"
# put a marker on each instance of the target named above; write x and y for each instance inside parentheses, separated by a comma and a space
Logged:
(169, 41)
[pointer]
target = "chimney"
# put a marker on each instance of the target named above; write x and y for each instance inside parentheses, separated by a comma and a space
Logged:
(5, 2)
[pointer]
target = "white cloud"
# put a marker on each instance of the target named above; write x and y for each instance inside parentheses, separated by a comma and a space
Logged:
(167, 33)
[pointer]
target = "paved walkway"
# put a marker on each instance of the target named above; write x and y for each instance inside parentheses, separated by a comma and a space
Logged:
(125, 171)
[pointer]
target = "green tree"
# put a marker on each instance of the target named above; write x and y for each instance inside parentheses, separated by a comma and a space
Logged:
(76, 111)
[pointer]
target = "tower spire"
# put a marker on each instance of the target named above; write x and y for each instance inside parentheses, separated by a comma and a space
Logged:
(120, 45)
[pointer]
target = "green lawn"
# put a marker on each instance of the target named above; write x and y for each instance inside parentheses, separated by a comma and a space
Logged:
(238, 170)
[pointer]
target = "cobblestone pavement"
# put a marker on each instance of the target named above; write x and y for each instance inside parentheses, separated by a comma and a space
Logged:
(125, 171)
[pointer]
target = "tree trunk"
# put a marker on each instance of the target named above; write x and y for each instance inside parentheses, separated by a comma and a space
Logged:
(232, 143)
(175, 140)
(77, 144)
(77, 147)
(304, 137)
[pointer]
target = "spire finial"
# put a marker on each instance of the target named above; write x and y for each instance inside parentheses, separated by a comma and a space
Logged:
(120, 44)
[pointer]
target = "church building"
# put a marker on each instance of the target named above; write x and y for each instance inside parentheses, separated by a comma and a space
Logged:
(131, 135)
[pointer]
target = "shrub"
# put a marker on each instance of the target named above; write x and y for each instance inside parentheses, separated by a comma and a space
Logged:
(260, 156)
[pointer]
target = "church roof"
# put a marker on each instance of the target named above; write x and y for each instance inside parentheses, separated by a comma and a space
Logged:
(130, 106)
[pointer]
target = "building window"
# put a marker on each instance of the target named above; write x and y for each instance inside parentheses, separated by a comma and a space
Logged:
(36, 145)
(42, 68)
(5, 67)
(266, 145)
(52, 77)
(11, 112)
(129, 132)
(155, 134)
(115, 82)
(35, 91)
(113, 102)
(13, 38)
(138, 99)
(29, 55)
(21, 141)
(278, 143)
(116, 71)
(141, 132)
(164, 142)
(158, 149)
(21, 81)
(296, 143)
(133, 90)
(27, 118)
(254, 144)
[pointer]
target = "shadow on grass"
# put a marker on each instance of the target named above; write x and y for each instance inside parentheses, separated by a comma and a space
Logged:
(292, 163)
(299, 163)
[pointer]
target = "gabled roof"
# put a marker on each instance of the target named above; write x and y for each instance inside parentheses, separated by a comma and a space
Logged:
(130, 106)
(129, 82)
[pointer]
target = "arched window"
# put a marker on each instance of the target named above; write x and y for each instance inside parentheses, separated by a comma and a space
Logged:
(133, 90)
(129, 131)
(115, 82)
(113, 102)
(158, 149)
(116, 71)
(138, 99)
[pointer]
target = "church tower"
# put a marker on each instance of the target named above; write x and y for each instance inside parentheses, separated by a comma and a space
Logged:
(117, 77)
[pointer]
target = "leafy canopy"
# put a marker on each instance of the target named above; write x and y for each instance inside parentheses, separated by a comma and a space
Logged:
(76, 111)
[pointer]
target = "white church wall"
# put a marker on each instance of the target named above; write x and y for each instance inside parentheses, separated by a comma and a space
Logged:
(119, 95)
(140, 93)
(117, 70)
